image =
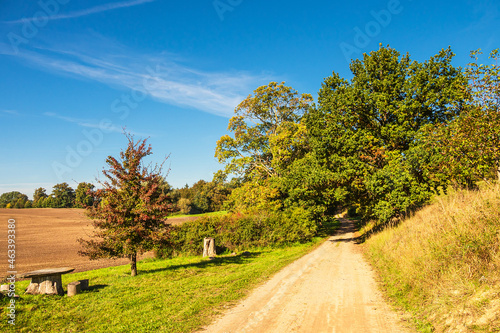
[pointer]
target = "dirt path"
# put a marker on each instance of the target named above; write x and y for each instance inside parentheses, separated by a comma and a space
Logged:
(332, 289)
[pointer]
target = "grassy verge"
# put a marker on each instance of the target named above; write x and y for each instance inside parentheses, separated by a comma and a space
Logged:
(443, 264)
(175, 295)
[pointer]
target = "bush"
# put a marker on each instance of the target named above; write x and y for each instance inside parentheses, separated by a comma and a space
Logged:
(184, 205)
(237, 232)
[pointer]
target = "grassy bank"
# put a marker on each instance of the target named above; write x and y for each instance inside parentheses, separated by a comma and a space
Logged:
(175, 295)
(443, 264)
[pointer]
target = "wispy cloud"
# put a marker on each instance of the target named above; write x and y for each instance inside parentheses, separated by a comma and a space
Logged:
(88, 11)
(83, 122)
(25, 184)
(162, 76)
(106, 126)
(11, 112)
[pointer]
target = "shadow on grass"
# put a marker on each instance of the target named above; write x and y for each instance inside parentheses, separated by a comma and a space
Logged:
(379, 227)
(217, 261)
(96, 288)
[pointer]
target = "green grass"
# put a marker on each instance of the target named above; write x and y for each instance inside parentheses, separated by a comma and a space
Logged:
(174, 295)
(219, 213)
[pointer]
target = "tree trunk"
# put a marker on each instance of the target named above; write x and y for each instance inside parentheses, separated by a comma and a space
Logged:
(209, 248)
(133, 264)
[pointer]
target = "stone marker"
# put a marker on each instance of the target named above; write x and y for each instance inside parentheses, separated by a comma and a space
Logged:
(209, 248)
(74, 288)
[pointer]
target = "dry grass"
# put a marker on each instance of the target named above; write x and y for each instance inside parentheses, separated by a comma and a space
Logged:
(443, 264)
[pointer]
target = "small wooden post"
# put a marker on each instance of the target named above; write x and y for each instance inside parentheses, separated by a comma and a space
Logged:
(209, 247)
(74, 288)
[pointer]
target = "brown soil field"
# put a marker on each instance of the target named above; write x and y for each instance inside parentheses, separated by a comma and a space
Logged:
(47, 238)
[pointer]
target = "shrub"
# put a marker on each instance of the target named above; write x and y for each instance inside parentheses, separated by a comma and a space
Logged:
(238, 231)
(184, 205)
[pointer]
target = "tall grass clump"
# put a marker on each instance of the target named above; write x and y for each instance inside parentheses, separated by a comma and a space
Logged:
(443, 263)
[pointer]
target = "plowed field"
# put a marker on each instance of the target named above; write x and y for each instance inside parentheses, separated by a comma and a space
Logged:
(47, 237)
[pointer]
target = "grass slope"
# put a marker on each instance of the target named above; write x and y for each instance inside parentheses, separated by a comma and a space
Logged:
(175, 295)
(443, 264)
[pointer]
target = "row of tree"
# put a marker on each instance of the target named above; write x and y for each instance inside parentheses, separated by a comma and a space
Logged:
(200, 198)
(62, 196)
(203, 196)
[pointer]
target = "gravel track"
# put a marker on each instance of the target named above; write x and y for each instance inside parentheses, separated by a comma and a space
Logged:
(331, 289)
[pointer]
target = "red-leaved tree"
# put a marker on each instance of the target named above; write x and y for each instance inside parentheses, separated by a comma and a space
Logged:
(130, 209)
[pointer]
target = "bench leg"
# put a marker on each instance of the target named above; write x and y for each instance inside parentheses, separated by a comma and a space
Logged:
(49, 285)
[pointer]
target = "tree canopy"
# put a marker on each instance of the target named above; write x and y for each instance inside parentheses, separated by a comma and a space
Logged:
(64, 195)
(83, 195)
(13, 198)
(469, 146)
(363, 132)
(261, 123)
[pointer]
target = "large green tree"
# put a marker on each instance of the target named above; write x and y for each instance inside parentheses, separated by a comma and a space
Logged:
(39, 196)
(260, 128)
(83, 195)
(64, 196)
(130, 210)
(12, 198)
(268, 135)
(363, 132)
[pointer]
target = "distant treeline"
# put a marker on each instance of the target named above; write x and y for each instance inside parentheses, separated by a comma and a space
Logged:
(202, 197)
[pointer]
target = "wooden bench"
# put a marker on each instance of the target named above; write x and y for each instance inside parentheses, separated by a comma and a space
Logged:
(46, 281)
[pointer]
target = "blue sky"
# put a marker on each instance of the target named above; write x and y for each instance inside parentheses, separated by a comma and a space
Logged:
(73, 73)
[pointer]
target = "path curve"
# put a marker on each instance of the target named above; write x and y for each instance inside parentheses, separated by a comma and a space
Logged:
(331, 289)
